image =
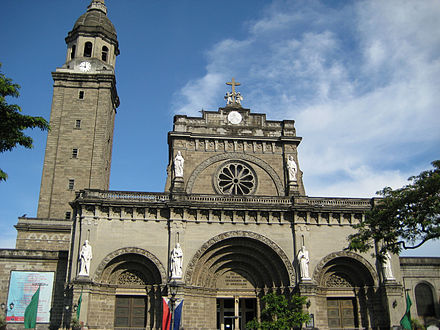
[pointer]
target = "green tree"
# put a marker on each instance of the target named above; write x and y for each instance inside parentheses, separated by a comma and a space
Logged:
(12, 122)
(404, 218)
(280, 313)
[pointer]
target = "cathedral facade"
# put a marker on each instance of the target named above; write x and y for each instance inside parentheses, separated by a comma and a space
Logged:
(233, 224)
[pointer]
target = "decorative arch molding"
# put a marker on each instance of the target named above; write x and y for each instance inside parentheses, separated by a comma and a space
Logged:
(238, 156)
(191, 269)
(130, 250)
(423, 281)
(319, 272)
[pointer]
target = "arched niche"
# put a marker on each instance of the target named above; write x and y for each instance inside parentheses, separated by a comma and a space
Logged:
(252, 258)
(130, 266)
(350, 267)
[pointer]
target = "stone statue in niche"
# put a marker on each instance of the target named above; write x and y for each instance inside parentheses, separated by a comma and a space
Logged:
(387, 270)
(85, 258)
(176, 262)
(291, 168)
(178, 165)
(303, 258)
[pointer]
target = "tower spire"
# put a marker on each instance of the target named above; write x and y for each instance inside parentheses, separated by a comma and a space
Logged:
(98, 5)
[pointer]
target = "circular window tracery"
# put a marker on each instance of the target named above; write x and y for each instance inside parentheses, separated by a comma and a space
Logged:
(235, 178)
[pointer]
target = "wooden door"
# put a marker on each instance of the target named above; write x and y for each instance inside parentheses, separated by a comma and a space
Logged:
(130, 312)
(341, 313)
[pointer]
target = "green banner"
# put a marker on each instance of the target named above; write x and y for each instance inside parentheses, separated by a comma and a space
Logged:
(30, 314)
(405, 322)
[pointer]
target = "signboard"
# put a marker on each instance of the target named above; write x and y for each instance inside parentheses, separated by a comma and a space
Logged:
(232, 280)
(22, 286)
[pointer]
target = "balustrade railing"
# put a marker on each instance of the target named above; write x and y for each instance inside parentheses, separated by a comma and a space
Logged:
(238, 199)
(125, 195)
(278, 200)
(338, 202)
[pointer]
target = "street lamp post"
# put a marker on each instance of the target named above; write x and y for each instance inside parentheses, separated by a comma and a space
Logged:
(173, 290)
(65, 320)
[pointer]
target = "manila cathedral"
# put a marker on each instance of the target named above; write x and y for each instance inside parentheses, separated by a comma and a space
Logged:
(233, 223)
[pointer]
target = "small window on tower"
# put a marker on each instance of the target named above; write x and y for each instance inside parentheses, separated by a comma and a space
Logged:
(104, 53)
(88, 49)
(72, 54)
(81, 95)
(68, 214)
(71, 184)
(74, 153)
(78, 123)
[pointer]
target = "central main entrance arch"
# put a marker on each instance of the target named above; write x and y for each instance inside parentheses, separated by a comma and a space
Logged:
(231, 271)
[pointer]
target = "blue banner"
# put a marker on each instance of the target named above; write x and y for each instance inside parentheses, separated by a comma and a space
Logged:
(22, 286)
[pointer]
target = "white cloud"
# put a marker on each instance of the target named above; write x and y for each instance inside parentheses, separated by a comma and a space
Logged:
(199, 94)
(362, 181)
(360, 80)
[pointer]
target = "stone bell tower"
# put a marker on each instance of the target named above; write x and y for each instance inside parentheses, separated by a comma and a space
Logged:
(79, 143)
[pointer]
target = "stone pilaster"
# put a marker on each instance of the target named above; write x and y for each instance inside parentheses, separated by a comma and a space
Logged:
(178, 185)
(293, 188)
(392, 296)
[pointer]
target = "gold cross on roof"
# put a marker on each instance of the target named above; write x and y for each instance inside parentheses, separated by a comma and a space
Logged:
(233, 83)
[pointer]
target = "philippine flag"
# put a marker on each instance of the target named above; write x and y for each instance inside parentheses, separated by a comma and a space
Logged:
(178, 314)
(166, 317)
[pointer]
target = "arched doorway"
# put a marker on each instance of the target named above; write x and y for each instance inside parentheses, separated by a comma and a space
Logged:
(425, 301)
(231, 272)
(348, 286)
(137, 278)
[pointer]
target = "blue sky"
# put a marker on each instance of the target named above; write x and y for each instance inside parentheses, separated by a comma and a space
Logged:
(360, 78)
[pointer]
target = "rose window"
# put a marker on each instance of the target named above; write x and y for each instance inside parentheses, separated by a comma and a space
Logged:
(235, 178)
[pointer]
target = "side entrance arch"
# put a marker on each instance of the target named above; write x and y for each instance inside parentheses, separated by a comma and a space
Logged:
(347, 291)
(229, 274)
(126, 291)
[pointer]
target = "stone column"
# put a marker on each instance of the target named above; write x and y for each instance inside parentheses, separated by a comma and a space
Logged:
(308, 289)
(293, 189)
(177, 185)
(82, 285)
(393, 300)
(236, 313)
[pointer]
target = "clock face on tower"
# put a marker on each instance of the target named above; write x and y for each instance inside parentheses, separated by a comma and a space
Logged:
(85, 66)
(234, 117)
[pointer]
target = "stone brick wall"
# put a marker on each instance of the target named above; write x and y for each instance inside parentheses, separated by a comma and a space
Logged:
(101, 308)
(36, 261)
(199, 311)
(43, 234)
